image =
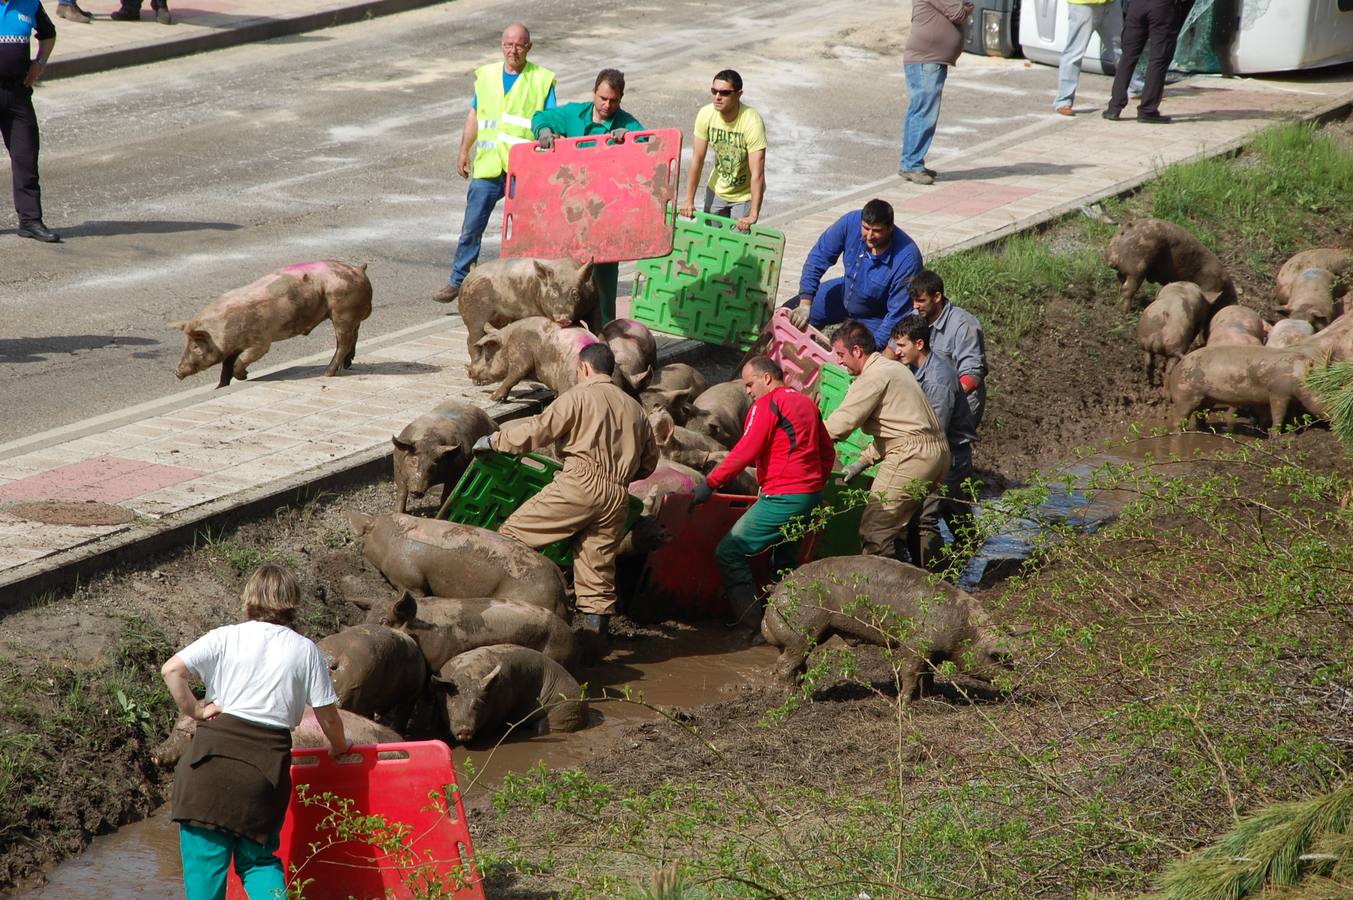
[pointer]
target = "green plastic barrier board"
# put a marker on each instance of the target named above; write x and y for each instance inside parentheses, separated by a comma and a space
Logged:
(496, 484)
(832, 383)
(718, 284)
(841, 536)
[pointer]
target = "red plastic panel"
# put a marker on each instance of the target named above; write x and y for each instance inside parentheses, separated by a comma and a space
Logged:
(682, 576)
(590, 199)
(800, 353)
(410, 784)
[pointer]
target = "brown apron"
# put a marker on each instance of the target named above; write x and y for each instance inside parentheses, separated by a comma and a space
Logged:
(235, 777)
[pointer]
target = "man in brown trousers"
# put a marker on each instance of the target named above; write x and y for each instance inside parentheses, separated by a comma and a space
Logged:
(885, 401)
(606, 444)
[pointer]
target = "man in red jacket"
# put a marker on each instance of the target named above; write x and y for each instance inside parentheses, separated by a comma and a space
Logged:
(785, 438)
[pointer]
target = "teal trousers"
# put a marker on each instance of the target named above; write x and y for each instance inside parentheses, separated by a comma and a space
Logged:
(758, 529)
(206, 856)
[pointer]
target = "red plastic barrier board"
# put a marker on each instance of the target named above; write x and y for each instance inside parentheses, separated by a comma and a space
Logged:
(413, 787)
(682, 576)
(800, 353)
(592, 199)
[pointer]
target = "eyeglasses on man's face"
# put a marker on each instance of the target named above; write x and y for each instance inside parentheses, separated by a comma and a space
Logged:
(722, 92)
(509, 46)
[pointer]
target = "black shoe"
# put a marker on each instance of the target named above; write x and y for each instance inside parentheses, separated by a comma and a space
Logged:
(1110, 114)
(125, 15)
(39, 232)
(1153, 118)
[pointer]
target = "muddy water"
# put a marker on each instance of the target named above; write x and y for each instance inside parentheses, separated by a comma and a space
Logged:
(681, 667)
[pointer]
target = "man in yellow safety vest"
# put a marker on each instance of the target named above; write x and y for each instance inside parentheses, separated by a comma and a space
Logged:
(505, 98)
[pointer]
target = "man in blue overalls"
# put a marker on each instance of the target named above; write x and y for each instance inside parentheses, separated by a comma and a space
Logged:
(19, 19)
(879, 260)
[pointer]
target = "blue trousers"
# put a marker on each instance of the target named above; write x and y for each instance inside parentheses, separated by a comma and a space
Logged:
(925, 84)
(480, 199)
(207, 854)
(829, 308)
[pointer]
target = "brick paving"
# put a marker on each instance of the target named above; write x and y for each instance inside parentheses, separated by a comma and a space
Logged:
(168, 461)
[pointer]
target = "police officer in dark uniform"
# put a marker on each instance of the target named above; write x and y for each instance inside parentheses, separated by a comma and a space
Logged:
(19, 19)
(1147, 21)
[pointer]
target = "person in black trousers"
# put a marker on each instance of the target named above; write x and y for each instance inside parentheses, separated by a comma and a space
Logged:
(1147, 21)
(18, 122)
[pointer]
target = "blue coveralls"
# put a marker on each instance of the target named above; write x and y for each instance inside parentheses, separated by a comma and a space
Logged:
(875, 290)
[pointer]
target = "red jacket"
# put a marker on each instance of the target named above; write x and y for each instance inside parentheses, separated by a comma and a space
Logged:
(785, 436)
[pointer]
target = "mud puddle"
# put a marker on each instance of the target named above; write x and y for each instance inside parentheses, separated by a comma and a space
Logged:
(673, 666)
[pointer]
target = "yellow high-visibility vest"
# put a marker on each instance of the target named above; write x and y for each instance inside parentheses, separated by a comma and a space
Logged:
(505, 120)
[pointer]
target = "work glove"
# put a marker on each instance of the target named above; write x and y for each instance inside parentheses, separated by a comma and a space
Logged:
(618, 135)
(798, 316)
(483, 445)
(702, 493)
(546, 139)
(850, 472)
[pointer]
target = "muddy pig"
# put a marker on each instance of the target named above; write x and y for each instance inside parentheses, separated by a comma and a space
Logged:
(1170, 325)
(1156, 250)
(505, 684)
(238, 327)
(931, 622)
(1288, 332)
(1236, 326)
(721, 412)
(674, 389)
(668, 478)
(683, 445)
(1330, 259)
(533, 348)
(636, 352)
(1311, 297)
(427, 557)
(436, 448)
(1253, 379)
(359, 730)
(505, 290)
(444, 627)
(377, 671)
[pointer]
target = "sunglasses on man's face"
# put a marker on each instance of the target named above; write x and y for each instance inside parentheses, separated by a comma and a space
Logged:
(722, 92)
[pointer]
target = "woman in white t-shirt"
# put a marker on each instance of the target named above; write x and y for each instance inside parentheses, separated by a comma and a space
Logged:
(232, 786)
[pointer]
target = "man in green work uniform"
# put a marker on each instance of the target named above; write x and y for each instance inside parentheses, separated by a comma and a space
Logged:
(600, 116)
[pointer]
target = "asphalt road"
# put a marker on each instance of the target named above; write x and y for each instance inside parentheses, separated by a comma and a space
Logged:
(179, 180)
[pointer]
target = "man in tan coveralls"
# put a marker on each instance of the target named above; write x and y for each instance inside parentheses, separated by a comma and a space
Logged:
(606, 444)
(886, 402)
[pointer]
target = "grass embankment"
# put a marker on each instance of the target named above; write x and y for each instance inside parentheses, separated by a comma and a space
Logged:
(1185, 665)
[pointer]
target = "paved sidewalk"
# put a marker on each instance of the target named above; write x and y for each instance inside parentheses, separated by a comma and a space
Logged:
(198, 25)
(176, 463)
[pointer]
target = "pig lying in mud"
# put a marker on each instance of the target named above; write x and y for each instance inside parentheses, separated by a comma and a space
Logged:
(930, 622)
(1288, 332)
(358, 729)
(673, 390)
(1170, 325)
(240, 326)
(1156, 250)
(721, 412)
(1332, 260)
(504, 684)
(636, 352)
(532, 348)
(1236, 326)
(1311, 297)
(377, 671)
(437, 448)
(501, 292)
(1257, 380)
(445, 627)
(427, 557)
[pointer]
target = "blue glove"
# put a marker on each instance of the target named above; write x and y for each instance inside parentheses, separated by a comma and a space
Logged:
(702, 493)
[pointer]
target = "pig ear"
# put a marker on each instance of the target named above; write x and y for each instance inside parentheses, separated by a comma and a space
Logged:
(585, 273)
(1211, 296)
(179, 326)
(663, 426)
(488, 679)
(360, 522)
(488, 339)
(446, 684)
(406, 446)
(542, 271)
(405, 609)
(362, 604)
(447, 449)
(197, 335)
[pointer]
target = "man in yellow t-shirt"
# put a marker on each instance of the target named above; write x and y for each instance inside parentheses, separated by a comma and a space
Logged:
(738, 182)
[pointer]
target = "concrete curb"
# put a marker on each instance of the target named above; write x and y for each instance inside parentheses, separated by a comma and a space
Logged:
(261, 30)
(60, 571)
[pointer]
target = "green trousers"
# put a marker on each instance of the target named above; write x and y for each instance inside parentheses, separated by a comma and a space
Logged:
(207, 855)
(758, 529)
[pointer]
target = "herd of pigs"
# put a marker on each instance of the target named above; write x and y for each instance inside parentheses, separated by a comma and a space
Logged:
(1245, 363)
(474, 633)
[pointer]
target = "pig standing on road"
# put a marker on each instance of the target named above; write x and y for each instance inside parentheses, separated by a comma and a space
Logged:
(506, 290)
(435, 448)
(240, 326)
(531, 348)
